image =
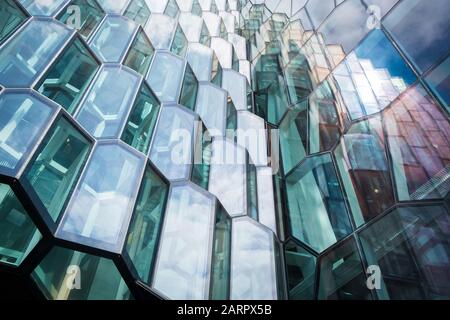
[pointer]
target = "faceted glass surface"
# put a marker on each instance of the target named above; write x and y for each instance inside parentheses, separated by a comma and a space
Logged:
(10, 18)
(113, 38)
(140, 55)
(212, 107)
(138, 11)
(27, 54)
(143, 234)
(141, 122)
(179, 42)
(301, 272)
(72, 275)
(108, 102)
(182, 270)
(189, 89)
(43, 7)
(57, 166)
(23, 118)
(439, 82)
(67, 80)
(18, 234)
(101, 206)
(317, 211)
(90, 16)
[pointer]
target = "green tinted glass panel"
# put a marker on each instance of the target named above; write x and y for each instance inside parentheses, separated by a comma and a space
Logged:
(18, 235)
(180, 43)
(10, 18)
(189, 90)
(138, 11)
(146, 224)
(58, 165)
(141, 122)
(140, 54)
(68, 79)
(220, 277)
(172, 9)
(90, 16)
(71, 275)
(342, 276)
(202, 166)
(252, 192)
(301, 271)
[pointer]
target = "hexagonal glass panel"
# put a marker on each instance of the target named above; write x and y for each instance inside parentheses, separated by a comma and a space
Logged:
(10, 18)
(145, 227)
(189, 89)
(236, 85)
(179, 42)
(415, 260)
(212, 107)
(72, 275)
(108, 102)
(200, 59)
(68, 78)
(138, 11)
(43, 7)
(57, 165)
(252, 136)
(100, 209)
(23, 119)
(418, 133)
(31, 50)
(317, 212)
(166, 88)
(18, 234)
(301, 272)
(140, 55)
(192, 26)
(228, 176)
(293, 136)
(182, 269)
(342, 276)
(112, 39)
(141, 122)
(161, 38)
(362, 163)
(90, 16)
(173, 143)
(224, 52)
(221, 260)
(372, 76)
(253, 267)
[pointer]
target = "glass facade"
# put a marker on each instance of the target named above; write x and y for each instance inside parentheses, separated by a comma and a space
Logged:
(226, 149)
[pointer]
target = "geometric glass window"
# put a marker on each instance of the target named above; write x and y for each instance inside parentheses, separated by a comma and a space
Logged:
(30, 51)
(68, 79)
(138, 11)
(108, 101)
(112, 39)
(439, 82)
(179, 43)
(301, 271)
(411, 247)
(188, 95)
(65, 274)
(90, 13)
(10, 18)
(58, 165)
(18, 235)
(317, 210)
(43, 8)
(102, 204)
(138, 131)
(144, 231)
(140, 55)
(22, 121)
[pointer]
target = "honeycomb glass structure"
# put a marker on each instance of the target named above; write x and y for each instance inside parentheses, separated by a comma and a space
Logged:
(225, 149)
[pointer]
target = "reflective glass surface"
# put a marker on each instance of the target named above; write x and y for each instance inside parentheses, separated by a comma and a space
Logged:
(67, 80)
(189, 89)
(23, 119)
(317, 210)
(18, 234)
(91, 15)
(113, 6)
(173, 142)
(57, 166)
(166, 88)
(108, 102)
(183, 267)
(439, 82)
(101, 206)
(71, 275)
(112, 39)
(160, 37)
(43, 7)
(10, 18)
(27, 54)
(253, 272)
(144, 231)
(140, 55)
(301, 272)
(211, 107)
